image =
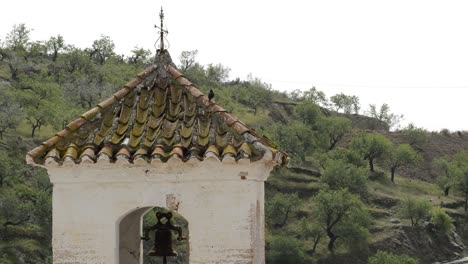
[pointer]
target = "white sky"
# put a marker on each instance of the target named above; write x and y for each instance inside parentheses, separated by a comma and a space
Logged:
(411, 54)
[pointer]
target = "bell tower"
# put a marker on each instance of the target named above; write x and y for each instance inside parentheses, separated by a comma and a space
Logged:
(157, 142)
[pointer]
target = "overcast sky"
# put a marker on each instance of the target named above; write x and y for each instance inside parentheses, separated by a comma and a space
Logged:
(411, 54)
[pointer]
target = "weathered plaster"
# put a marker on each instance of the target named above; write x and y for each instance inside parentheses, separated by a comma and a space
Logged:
(97, 205)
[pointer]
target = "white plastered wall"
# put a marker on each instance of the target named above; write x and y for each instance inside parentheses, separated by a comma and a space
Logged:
(222, 202)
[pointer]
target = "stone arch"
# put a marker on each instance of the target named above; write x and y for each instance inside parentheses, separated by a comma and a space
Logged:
(131, 249)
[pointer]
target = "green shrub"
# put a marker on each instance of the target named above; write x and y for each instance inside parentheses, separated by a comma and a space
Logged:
(441, 220)
(415, 210)
(286, 250)
(339, 174)
(383, 257)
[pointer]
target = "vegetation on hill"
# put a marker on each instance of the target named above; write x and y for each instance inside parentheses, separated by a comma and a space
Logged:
(354, 192)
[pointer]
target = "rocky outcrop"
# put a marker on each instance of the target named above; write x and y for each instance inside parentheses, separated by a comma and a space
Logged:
(421, 243)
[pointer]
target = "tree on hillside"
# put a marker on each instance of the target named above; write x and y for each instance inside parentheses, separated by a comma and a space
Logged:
(309, 114)
(415, 136)
(102, 49)
(347, 103)
(296, 95)
(54, 46)
(17, 60)
(187, 59)
(25, 208)
(220, 73)
(280, 208)
(446, 180)
(35, 51)
(371, 147)
(340, 174)
(416, 210)
(139, 56)
(40, 97)
(87, 91)
(255, 94)
(335, 128)
(315, 96)
(385, 115)
(347, 155)
(18, 38)
(296, 139)
(342, 215)
(76, 60)
(13, 210)
(451, 170)
(401, 156)
(461, 180)
(286, 250)
(310, 231)
(10, 111)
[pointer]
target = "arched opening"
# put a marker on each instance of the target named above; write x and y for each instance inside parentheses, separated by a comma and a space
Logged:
(134, 250)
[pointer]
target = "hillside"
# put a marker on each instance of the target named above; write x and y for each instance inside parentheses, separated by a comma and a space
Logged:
(340, 160)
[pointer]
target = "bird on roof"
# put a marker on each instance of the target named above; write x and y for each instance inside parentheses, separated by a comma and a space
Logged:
(211, 95)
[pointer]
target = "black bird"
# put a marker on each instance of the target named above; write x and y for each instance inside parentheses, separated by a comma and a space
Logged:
(211, 95)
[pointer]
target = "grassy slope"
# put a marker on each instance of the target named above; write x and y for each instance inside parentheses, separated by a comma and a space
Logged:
(382, 202)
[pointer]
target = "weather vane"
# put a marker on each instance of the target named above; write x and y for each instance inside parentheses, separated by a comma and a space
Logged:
(162, 31)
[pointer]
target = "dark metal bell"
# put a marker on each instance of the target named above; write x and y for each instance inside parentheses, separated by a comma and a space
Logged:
(162, 244)
(163, 236)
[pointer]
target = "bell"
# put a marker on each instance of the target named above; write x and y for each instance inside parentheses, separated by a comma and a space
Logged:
(163, 236)
(162, 244)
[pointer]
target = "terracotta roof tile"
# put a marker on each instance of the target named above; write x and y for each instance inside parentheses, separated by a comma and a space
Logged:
(107, 102)
(120, 94)
(141, 152)
(174, 72)
(213, 149)
(72, 152)
(54, 154)
(134, 140)
(89, 152)
(51, 142)
(106, 150)
(153, 116)
(240, 128)
(230, 150)
(158, 151)
(123, 152)
(116, 138)
(76, 124)
(245, 150)
(177, 150)
(194, 91)
(88, 116)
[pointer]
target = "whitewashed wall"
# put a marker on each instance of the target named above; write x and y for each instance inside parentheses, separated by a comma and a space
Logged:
(222, 202)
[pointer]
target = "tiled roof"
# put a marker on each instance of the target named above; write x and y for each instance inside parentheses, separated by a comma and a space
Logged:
(160, 115)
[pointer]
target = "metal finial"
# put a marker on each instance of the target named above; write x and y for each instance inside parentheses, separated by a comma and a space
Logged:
(161, 28)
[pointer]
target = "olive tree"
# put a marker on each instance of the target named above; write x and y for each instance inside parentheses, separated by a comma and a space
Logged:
(280, 208)
(348, 103)
(340, 174)
(385, 115)
(371, 147)
(341, 215)
(335, 128)
(401, 156)
(415, 209)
